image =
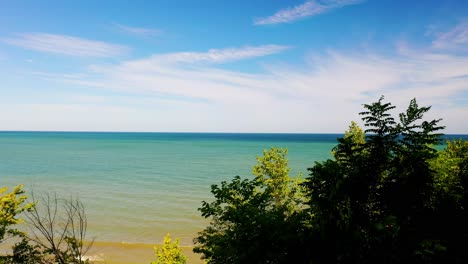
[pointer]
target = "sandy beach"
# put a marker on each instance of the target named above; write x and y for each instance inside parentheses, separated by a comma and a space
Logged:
(134, 253)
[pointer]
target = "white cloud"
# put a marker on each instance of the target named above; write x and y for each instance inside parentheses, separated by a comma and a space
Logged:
(324, 96)
(218, 55)
(455, 39)
(138, 31)
(307, 9)
(66, 45)
(188, 91)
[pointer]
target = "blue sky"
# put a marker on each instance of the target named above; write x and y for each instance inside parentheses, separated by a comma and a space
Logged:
(228, 66)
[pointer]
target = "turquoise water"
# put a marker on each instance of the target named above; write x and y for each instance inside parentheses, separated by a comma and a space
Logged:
(136, 187)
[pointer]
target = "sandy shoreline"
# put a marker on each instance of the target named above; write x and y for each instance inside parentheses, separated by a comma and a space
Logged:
(121, 253)
(131, 253)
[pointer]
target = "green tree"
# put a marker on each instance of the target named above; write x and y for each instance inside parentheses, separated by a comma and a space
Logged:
(352, 143)
(25, 253)
(56, 235)
(372, 202)
(387, 196)
(451, 202)
(11, 205)
(452, 170)
(58, 230)
(272, 172)
(169, 252)
(257, 220)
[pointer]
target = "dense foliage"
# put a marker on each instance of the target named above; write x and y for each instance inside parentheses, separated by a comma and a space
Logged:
(387, 196)
(169, 252)
(375, 201)
(255, 220)
(11, 205)
(450, 217)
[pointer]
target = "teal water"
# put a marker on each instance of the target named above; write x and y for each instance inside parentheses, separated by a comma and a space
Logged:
(136, 187)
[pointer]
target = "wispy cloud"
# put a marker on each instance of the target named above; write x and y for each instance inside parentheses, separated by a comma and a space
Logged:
(138, 31)
(66, 45)
(190, 91)
(307, 9)
(455, 39)
(219, 55)
(334, 84)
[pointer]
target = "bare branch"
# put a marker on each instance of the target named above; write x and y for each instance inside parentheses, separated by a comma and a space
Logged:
(59, 227)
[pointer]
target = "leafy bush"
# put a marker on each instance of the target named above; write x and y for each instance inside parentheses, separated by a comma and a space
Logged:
(169, 252)
(11, 205)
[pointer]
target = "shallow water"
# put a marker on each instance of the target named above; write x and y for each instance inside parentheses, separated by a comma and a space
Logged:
(137, 187)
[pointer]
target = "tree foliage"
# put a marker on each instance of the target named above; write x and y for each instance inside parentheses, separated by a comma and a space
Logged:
(387, 196)
(169, 252)
(57, 229)
(254, 220)
(11, 205)
(376, 201)
(451, 203)
(272, 172)
(25, 253)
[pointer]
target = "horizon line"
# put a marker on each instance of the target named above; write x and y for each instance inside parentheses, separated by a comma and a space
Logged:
(174, 132)
(187, 132)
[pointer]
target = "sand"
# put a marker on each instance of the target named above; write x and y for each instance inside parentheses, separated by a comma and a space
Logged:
(125, 253)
